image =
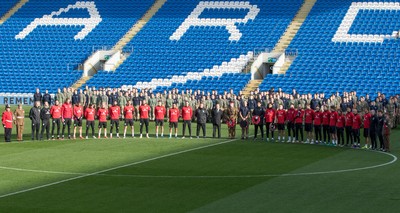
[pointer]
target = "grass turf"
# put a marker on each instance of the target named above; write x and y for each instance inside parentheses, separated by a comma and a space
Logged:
(224, 176)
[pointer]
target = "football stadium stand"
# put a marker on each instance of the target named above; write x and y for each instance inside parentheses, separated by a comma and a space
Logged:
(345, 45)
(42, 44)
(200, 44)
(342, 45)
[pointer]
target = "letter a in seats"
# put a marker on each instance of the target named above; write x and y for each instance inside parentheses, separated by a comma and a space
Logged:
(49, 20)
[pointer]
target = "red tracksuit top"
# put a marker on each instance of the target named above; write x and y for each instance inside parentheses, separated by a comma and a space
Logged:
(309, 116)
(89, 114)
(325, 117)
(317, 118)
(66, 111)
(290, 114)
(299, 116)
(7, 119)
(349, 119)
(356, 121)
(128, 112)
(173, 115)
(160, 112)
(269, 115)
(333, 118)
(102, 114)
(367, 121)
(281, 116)
(144, 111)
(340, 121)
(115, 112)
(78, 112)
(55, 112)
(187, 113)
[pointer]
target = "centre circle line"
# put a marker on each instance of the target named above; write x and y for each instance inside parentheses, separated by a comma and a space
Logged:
(394, 159)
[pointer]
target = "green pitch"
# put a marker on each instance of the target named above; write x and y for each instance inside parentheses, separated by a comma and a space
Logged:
(198, 175)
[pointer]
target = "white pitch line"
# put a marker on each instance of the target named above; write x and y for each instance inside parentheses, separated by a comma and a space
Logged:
(214, 176)
(113, 168)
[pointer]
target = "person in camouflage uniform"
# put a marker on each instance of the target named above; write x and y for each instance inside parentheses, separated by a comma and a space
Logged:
(60, 96)
(231, 114)
(93, 98)
(152, 103)
(208, 104)
(121, 102)
(391, 110)
(168, 103)
(82, 98)
(397, 111)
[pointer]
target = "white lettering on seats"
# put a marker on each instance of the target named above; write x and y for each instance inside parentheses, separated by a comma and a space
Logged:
(194, 20)
(342, 34)
(49, 20)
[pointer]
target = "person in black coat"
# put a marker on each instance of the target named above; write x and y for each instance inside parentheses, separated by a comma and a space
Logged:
(252, 103)
(259, 111)
(379, 129)
(201, 114)
(34, 115)
(372, 129)
(37, 96)
(46, 98)
(75, 98)
(45, 117)
(216, 115)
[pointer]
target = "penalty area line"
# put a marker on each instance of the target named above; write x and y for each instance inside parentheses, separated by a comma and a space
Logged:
(114, 168)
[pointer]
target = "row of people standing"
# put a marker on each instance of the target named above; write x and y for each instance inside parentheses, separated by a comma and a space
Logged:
(326, 126)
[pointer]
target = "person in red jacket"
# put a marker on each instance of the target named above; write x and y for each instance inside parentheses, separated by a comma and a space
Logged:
(325, 124)
(159, 113)
(290, 123)
(173, 116)
(340, 122)
(308, 123)
(367, 122)
(356, 128)
(55, 112)
(102, 115)
(269, 120)
(298, 122)
(281, 118)
(128, 116)
(66, 116)
(7, 120)
(90, 113)
(332, 125)
(78, 116)
(115, 114)
(349, 124)
(317, 125)
(144, 110)
(187, 115)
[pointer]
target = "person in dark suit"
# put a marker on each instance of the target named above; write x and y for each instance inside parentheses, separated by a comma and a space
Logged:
(201, 115)
(46, 98)
(37, 96)
(372, 129)
(216, 115)
(258, 114)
